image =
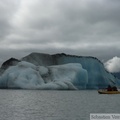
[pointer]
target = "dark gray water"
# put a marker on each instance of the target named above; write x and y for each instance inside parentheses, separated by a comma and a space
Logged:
(55, 105)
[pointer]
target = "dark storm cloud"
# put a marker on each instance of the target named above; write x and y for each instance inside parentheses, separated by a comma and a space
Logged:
(81, 27)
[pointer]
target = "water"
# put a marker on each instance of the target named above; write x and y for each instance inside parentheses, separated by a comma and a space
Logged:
(55, 105)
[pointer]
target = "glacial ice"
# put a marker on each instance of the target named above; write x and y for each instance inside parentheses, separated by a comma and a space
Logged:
(25, 75)
(98, 77)
(60, 71)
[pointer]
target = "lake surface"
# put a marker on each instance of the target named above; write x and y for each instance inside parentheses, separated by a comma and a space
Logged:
(55, 105)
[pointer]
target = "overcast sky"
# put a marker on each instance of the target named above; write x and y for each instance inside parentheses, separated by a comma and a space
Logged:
(80, 27)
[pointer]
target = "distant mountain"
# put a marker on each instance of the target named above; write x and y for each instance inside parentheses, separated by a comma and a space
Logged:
(92, 74)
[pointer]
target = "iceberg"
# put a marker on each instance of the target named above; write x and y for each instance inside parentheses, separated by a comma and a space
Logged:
(56, 72)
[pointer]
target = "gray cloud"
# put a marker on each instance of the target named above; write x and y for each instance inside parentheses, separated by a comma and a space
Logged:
(81, 27)
(7, 9)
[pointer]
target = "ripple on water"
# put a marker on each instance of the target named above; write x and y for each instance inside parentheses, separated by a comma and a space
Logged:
(55, 105)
